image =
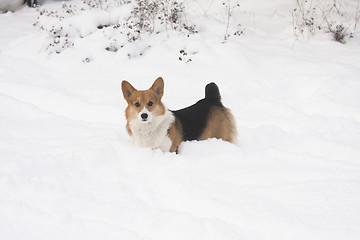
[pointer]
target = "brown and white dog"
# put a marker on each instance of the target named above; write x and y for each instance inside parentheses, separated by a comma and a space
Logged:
(151, 124)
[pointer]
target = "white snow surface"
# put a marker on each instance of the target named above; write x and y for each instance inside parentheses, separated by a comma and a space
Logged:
(69, 171)
(10, 5)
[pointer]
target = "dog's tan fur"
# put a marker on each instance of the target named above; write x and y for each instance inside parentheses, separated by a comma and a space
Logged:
(220, 125)
(175, 134)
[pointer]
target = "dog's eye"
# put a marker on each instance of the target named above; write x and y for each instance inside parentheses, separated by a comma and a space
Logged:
(137, 104)
(150, 103)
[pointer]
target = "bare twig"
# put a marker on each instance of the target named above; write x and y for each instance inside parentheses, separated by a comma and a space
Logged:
(357, 14)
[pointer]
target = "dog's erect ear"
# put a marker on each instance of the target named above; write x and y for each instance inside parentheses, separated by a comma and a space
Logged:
(158, 86)
(127, 89)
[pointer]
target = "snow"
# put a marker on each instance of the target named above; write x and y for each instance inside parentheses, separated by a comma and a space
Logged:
(69, 171)
(10, 5)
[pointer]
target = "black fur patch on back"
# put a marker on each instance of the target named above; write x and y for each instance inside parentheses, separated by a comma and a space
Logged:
(194, 118)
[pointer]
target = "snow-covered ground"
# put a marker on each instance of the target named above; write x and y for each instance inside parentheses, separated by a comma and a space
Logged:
(68, 169)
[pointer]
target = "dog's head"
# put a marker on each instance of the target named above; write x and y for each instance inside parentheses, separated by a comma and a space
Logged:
(144, 105)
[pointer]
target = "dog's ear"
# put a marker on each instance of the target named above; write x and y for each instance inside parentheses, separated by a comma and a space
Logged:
(127, 89)
(158, 86)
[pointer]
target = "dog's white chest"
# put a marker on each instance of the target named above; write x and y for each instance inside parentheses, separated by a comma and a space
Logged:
(153, 134)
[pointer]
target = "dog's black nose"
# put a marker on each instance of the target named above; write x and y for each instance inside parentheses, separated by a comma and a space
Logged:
(144, 116)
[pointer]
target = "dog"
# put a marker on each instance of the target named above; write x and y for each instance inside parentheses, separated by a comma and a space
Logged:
(151, 124)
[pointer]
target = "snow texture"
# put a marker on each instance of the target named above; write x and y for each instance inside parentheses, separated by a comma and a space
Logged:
(10, 5)
(68, 169)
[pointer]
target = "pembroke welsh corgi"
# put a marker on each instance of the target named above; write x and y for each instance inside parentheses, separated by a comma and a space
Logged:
(151, 124)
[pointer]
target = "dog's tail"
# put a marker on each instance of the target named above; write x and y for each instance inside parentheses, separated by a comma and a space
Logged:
(212, 93)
